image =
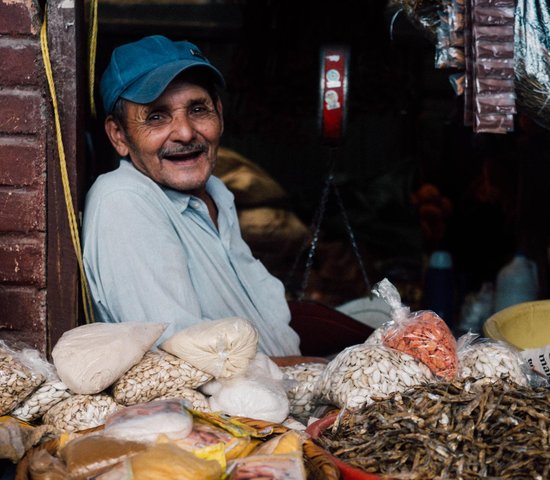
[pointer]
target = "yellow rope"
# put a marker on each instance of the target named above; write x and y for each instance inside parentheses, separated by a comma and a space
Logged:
(87, 303)
(92, 49)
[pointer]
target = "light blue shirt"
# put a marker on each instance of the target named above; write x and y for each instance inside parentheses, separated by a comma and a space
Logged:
(153, 254)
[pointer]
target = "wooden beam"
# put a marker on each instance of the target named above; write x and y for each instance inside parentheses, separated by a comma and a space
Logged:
(67, 53)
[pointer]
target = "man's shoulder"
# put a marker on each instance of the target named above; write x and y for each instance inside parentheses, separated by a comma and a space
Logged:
(125, 178)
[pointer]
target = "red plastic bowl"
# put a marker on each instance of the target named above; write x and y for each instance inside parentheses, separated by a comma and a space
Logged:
(348, 472)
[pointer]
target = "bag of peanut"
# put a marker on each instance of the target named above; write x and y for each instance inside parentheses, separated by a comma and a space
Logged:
(422, 334)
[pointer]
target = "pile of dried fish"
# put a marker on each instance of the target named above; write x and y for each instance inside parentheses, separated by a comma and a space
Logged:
(459, 430)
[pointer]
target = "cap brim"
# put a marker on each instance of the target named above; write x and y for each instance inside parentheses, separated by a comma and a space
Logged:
(151, 85)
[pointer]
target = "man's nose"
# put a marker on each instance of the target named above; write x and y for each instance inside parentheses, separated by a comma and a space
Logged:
(182, 129)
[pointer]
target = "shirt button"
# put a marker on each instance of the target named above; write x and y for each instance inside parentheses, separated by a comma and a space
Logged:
(194, 204)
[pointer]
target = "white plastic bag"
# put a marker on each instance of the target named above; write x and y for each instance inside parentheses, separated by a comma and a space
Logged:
(92, 357)
(257, 393)
(223, 348)
(147, 421)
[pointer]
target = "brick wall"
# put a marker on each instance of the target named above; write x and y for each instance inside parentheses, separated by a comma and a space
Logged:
(23, 126)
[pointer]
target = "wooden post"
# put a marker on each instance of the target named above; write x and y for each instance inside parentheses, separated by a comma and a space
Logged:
(68, 58)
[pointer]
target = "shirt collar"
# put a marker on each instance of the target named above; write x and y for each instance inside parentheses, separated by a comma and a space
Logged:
(214, 186)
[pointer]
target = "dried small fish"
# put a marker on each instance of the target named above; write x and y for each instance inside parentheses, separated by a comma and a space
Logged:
(448, 430)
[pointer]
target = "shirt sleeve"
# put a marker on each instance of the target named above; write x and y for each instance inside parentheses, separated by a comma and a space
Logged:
(135, 264)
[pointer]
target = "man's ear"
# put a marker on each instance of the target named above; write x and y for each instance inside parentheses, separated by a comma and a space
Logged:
(117, 136)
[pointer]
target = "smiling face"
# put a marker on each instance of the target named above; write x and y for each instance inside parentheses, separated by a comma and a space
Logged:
(173, 140)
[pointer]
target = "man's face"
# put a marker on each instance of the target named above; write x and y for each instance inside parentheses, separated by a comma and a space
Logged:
(173, 140)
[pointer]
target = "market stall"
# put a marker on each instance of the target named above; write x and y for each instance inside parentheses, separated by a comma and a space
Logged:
(411, 401)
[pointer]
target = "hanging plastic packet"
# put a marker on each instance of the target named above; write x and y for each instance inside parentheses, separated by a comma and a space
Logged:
(422, 334)
(491, 360)
(423, 14)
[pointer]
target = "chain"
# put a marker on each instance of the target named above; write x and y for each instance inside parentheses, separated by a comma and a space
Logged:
(352, 237)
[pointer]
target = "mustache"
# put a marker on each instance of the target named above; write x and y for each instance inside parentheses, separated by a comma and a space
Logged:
(195, 148)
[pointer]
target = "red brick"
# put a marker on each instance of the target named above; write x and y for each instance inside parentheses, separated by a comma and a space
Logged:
(23, 316)
(18, 63)
(20, 112)
(23, 260)
(19, 17)
(23, 210)
(22, 161)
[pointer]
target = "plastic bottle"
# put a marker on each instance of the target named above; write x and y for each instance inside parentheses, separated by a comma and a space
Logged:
(516, 282)
(439, 286)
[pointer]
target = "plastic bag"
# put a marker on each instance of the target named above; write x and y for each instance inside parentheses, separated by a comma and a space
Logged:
(17, 437)
(195, 399)
(301, 387)
(80, 412)
(361, 373)
(422, 334)
(223, 348)
(290, 442)
(21, 372)
(492, 360)
(288, 467)
(47, 395)
(92, 357)
(164, 462)
(259, 392)
(145, 422)
(423, 14)
(158, 374)
(92, 454)
(50, 392)
(245, 397)
(205, 435)
(43, 466)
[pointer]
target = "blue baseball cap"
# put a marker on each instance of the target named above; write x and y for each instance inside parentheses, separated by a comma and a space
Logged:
(140, 71)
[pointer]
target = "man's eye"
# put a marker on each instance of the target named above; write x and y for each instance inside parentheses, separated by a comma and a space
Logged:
(199, 109)
(154, 117)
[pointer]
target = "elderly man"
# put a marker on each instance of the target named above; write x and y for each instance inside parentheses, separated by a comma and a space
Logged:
(161, 236)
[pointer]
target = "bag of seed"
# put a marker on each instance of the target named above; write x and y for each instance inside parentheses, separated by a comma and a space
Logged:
(80, 412)
(301, 387)
(492, 360)
(20, 375)
(156, 375)
(41, 400)
(422, 334)
(361, 373)
(50, 392)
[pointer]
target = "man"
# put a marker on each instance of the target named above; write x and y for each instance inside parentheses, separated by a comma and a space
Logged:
(160, 236)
